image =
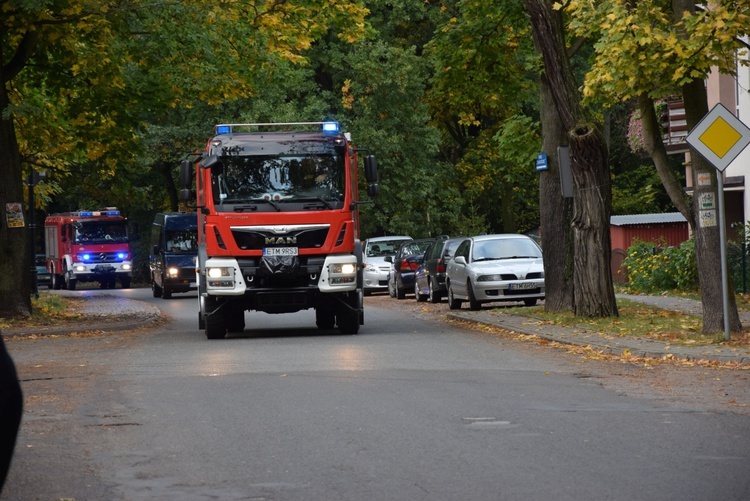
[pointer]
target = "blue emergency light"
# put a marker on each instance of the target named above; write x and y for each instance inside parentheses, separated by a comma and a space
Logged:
(330, 127)
(121, 255)
(86, 257)
(223, 129)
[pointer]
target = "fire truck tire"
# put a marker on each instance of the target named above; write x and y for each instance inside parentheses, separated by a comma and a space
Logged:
(325, 318)
(125, 282)
(70, 283)
(166, 293)
(235, 318)
(215, 325)
(155, 289)
(348, 318)
(57, 281)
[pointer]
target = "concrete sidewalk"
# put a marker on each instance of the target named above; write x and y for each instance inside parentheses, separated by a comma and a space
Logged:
(609, 343)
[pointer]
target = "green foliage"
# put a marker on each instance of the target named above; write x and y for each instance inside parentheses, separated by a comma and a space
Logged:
(655, 267)
(640, 47)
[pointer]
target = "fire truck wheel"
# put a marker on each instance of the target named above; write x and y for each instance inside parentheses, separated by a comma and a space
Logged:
(155, 289)
(57, 281)
(125, 282)
(235, 318)
(70, 283)
(216, 326)
(166, 294)
(325, 318)
(348, 318)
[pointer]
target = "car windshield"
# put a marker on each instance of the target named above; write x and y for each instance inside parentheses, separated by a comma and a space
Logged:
(415, 248)
(506, 248)
(383, 248)
(100, 232)
(281, 182)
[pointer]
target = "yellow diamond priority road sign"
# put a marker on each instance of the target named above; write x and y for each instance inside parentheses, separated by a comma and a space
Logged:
(719, 137)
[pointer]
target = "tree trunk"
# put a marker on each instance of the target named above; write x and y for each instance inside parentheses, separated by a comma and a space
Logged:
(592, 275)
(706, 233)
(593, 289)
(15, 262)
(555, 213)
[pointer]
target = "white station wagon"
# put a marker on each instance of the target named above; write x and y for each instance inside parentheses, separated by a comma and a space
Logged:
(489, 268)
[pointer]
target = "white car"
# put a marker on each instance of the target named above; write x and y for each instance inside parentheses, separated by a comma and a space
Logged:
(377, 268)
(491, 268)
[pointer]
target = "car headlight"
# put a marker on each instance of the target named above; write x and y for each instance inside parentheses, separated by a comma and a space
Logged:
(489, 278)
(371, 268)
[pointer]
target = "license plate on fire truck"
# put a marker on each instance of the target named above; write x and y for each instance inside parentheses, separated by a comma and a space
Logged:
(280, 251)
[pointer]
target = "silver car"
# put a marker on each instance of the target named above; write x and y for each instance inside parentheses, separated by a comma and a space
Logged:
(377, 268)
(491, 268)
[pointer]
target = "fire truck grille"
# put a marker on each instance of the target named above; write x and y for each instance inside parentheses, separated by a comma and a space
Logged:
(105, 257)
(302, 238)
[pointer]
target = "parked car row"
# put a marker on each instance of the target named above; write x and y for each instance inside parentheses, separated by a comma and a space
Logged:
(479, 269)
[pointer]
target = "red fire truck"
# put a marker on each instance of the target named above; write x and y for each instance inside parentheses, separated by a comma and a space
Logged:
(88, 246)
(278, 224)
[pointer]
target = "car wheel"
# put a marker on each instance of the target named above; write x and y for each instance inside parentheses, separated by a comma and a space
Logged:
(434, 296)
(400, 292)
(391, 292)
(529, 302)
(421, 298)
(453, 303)
(474, 305)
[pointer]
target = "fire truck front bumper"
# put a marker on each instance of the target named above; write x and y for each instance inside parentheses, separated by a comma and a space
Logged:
(338, 273)
(89, 271)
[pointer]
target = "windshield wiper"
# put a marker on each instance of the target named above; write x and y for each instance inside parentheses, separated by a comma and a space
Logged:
(270, 202)
(517, 257)
(314, 199)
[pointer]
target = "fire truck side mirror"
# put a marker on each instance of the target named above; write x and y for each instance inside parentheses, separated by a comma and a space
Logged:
(372, 190)
(371, 169)
(214, 164)
(186, 174)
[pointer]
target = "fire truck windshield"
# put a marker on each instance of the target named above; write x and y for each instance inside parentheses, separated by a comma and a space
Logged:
(288, 182)
(100, 232)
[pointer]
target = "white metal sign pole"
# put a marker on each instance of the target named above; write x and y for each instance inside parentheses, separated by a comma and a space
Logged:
(723, 254)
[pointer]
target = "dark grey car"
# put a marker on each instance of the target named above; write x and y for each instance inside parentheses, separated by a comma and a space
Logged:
(429, 279)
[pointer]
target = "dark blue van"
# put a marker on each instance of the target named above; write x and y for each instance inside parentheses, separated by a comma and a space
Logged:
(174, 249)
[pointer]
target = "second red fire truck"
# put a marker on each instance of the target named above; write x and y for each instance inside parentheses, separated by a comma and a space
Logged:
(88, 246)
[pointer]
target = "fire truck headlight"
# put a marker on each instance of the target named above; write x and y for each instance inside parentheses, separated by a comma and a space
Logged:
(219, 272)
(220, 277)
(342, 268)
(126, 266)
(80, 267)
(172, 272)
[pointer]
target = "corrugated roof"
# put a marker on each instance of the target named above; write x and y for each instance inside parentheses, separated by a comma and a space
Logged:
(632, 219)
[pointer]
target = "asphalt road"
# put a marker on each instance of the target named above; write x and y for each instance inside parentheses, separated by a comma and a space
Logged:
(412, 408)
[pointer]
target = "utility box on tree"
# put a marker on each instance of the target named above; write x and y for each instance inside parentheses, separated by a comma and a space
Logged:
(88, 246)
(278, 224)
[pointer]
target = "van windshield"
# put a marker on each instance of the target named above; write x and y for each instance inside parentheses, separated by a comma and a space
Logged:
(181, 241)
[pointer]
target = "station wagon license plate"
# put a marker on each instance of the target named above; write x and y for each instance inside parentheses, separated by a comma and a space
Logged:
(523, 286)
(280, 251)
